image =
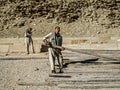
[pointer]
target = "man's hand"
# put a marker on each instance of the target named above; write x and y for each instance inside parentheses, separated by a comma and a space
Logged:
(33, 30)
(62, 48)
(45, 42)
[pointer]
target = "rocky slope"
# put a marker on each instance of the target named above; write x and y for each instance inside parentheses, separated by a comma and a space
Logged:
(76, 17)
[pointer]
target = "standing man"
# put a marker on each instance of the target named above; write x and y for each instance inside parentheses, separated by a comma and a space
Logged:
(55, 40)
(29, 40)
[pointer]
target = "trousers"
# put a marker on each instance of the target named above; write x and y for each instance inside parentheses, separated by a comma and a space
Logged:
(29, 42)
(52, 57)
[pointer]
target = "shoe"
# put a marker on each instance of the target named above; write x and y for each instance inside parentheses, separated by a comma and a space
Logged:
(61, 71)
(53, 71)
(34, 52)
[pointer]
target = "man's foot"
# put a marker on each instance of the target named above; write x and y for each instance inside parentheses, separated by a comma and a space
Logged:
(28, 53)
(61, 71)
(53, 71)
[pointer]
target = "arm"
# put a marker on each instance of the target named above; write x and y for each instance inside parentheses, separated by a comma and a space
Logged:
(49, 44)
(47, 36)
(58, 47)
(27, 34)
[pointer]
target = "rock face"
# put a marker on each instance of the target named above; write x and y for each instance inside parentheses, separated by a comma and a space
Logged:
(104, 12)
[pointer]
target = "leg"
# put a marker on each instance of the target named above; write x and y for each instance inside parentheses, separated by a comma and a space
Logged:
(32, 46)
(28, 48)
(61, 59)
(27, 45)
(60, 62)
(52, 59)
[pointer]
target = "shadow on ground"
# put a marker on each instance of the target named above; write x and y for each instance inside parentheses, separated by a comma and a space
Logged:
(91, 61)
(82, 62)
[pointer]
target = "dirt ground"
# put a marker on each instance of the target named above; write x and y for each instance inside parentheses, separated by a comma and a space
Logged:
(23, 70)
(81, 72)
(77, 18)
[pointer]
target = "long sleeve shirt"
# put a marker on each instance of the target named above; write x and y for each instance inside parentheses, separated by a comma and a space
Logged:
(55, 39)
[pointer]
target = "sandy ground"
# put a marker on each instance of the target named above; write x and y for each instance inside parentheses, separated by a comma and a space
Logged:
(81, 72)
(29, 70)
